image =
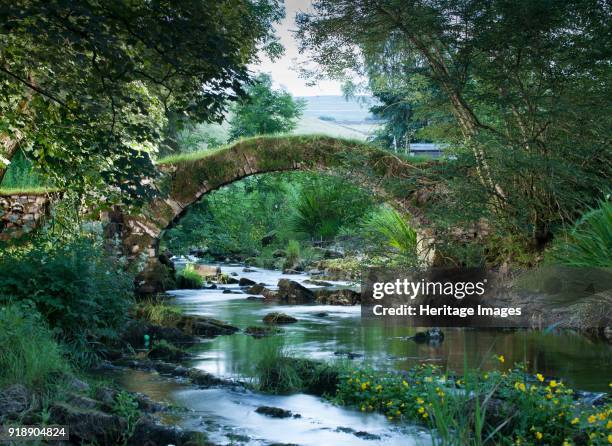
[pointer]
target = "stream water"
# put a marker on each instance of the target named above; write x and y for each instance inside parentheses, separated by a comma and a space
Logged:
(228, 415)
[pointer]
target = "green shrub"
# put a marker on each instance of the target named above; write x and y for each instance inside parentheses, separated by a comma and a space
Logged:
(589, 242)
(29, 354)
(75, 286)
(387, 226)
(189, 278)
(326, 204)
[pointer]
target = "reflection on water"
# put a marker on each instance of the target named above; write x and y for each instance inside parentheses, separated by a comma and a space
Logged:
(565, 355)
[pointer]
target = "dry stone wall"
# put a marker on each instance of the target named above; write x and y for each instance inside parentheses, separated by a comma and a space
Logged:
(22, 213)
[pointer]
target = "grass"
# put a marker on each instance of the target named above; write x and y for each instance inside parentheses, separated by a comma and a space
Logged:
(198, 155)
(274, 370)
(28, 190)
(159, 313)
(189, 278)
(29, 354)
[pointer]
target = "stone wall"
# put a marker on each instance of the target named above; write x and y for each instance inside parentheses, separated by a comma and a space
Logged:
(21, 214)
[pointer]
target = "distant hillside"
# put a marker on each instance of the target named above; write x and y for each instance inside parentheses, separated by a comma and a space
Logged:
(335, 116)
(338, 108)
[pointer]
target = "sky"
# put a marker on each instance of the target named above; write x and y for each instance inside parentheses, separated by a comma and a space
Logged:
(283, 70)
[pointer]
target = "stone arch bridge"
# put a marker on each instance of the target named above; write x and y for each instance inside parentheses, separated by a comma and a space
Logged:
(186, 179)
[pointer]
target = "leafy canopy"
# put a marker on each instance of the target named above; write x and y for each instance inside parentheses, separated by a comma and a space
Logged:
(526, 85)
(86, 86)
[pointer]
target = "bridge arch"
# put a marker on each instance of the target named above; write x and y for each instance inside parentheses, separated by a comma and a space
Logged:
(187, 178)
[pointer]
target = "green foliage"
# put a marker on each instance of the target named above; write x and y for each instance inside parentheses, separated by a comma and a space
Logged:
(275, 369)
(322, 207)
(86, 89)
(78, 289)
(495, 407)
(264, 110)
(29, 354)
(159, 313)
(188, 278)
(293, 252)
(21, 174)
(589, 242)
(126, 406)
(388, 226)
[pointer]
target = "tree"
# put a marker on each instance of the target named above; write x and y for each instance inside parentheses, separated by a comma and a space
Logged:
(264, 110)
(526, 82)
(86, 86)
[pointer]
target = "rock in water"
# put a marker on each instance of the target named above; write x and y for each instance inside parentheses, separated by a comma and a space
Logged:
(246, 282)
(279, 318)
(276, 412)
(260, 332)
(292, 292)
(338, 297)
(433, 335)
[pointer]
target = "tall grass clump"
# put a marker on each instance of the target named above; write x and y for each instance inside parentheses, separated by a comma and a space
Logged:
(589, 242)
(80, 291)
(29, 354)
(188, 278)
(387, 226)
(275, 369)
(159, 313)
(325, 205)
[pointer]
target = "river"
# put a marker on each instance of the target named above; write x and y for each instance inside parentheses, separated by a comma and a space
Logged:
(228, 415)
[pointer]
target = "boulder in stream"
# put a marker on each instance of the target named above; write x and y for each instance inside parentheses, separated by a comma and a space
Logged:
(205, 326)
(246, 282)
(338, 297)
(291, 292)
(276, 412)
(277, 318)
(260, 332)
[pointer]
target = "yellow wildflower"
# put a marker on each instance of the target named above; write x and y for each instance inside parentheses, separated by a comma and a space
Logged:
(404, 383)
(364, 386)
(420, 400)
(538, 435)
(592, 419)
(425, 415)
(519, 386)
(552, 383)
(601, 416)
(610, 438)
(566, 443)
(421, 409)
(540, 377)
(575, 421)
(609, 425)
(501, 359)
